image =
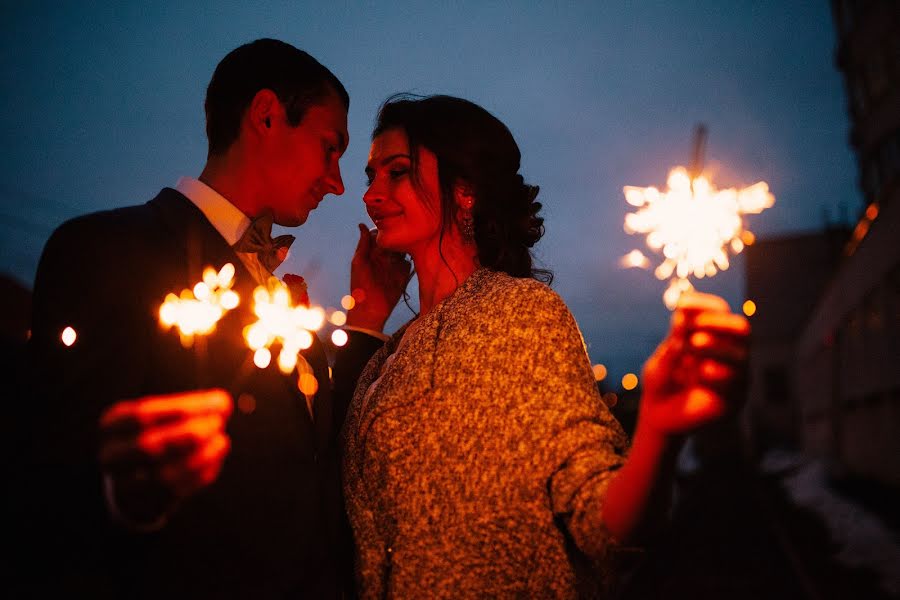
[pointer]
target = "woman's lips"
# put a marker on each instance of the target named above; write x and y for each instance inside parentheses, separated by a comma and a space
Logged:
(380, 218)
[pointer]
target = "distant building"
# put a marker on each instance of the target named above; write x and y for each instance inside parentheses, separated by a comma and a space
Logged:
(785, 280)
(848, 354)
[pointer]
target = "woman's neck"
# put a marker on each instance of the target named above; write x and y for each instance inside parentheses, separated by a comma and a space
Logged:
(438, 275)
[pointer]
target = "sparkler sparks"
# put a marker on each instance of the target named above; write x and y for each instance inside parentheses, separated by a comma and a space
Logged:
(279, 321)
(196, 311)
(694, 226)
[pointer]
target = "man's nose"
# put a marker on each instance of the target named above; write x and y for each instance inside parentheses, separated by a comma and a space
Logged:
(334, 181)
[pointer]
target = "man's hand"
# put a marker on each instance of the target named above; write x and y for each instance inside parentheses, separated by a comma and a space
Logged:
(381, 276)
(697, 372)
(161, 449)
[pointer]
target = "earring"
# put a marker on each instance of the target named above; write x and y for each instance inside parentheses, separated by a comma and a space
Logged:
(467, 226)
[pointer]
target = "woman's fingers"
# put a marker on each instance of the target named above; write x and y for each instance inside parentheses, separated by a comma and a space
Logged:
(720, 347)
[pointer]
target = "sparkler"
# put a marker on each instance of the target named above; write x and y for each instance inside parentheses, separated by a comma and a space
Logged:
(196, 311)
(692, 224)
(291, 326)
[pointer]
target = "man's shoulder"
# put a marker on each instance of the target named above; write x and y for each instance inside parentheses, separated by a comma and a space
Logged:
(123, 225)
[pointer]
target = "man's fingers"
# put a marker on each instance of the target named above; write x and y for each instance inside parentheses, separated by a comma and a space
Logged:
(159, 443)
(132, 415)
(197, 470)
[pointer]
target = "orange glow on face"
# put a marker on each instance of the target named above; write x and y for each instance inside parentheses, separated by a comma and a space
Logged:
(599, 372)
(629, 381)
(749, 308)
(339, 337)
(68, 336)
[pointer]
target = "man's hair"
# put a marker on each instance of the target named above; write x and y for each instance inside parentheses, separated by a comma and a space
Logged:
(298, 80)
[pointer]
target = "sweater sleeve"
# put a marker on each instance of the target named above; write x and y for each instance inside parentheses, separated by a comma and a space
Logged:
(581, 444)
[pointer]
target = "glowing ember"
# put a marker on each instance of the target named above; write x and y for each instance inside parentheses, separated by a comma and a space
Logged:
(280, 321)
(196, 311)
(694, 226)
(635, 259)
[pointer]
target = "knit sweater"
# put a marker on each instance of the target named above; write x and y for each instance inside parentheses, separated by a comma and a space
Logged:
(478, 452)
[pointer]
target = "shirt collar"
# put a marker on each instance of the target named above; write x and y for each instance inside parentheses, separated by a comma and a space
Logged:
(228, 219)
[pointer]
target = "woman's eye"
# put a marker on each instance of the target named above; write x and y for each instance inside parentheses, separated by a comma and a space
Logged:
(398, 173)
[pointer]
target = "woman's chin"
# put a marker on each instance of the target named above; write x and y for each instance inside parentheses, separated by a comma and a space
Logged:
(386, 241)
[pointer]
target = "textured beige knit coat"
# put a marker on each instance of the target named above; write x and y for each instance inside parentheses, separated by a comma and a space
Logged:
(478, 452)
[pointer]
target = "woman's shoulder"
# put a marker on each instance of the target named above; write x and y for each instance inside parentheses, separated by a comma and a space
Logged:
(522, 296)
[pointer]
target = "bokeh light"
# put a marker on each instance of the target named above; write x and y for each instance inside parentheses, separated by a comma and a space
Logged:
(629, 381)
(749, 308)
(339, 337)
(68, 336)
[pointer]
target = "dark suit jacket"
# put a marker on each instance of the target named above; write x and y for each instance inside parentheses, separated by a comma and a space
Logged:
(272, 525)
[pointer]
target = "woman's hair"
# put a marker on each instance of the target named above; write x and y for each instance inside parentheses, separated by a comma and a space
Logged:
(475, 149)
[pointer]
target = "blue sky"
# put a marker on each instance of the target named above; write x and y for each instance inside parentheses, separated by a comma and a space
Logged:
(102, 105)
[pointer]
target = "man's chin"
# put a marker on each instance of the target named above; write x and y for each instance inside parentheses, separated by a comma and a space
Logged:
(292, 220)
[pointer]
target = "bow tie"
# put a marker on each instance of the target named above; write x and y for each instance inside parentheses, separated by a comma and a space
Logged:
(258, 239)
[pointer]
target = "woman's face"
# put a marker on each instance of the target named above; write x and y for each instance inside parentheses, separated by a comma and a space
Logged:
(406, 210)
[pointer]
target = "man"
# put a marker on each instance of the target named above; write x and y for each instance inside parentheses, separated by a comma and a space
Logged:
(151, 484)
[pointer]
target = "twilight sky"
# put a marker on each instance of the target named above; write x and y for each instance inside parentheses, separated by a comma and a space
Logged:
(102, 105)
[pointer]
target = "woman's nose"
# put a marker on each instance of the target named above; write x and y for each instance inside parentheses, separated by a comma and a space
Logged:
(373, 194)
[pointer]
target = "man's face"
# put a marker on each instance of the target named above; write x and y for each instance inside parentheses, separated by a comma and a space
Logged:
(301, 163)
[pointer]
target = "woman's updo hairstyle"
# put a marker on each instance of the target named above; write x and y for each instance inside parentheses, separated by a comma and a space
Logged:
(474, 148)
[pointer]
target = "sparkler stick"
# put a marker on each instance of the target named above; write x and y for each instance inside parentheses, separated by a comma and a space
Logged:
(692, 224)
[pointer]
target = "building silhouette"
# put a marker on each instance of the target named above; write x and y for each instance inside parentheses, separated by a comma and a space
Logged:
(840, 369)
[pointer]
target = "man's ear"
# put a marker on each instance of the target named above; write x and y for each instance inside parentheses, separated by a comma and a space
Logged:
(464, 195)
(264, 110)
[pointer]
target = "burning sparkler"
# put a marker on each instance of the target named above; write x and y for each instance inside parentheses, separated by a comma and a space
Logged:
(280, 321)
(289, 322)
(196, 311)
(693, 224)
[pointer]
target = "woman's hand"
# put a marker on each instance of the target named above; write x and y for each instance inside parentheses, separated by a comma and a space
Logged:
(697, 373)
(381, 276)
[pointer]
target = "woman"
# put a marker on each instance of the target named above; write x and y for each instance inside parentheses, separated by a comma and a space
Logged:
(480, 459)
